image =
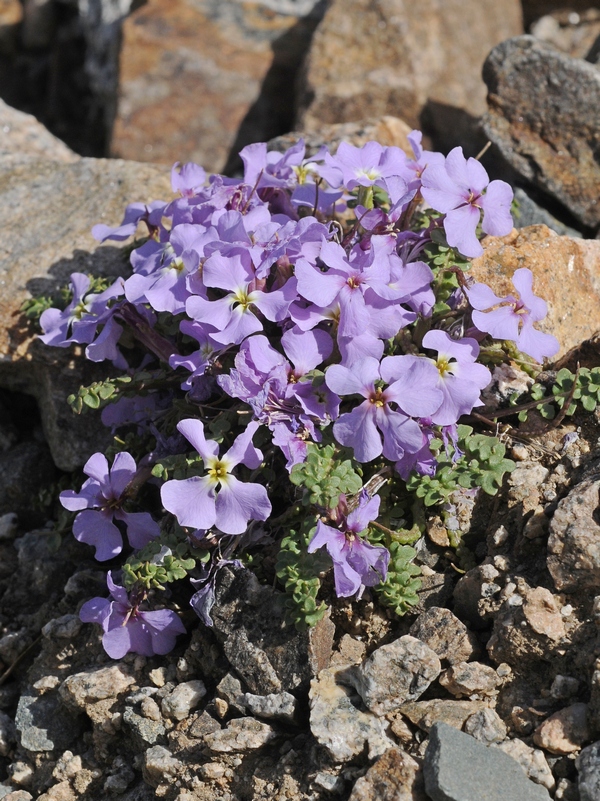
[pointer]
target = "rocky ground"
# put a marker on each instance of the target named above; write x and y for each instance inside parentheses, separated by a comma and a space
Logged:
(490, 689)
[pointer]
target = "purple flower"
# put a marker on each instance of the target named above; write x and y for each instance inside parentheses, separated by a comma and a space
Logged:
(457, 188)
(102, 497)
(412, 387)
(128, 628)
(134, 214)
(356, 563)
(195, 501)
(514, 317)
(369, 165)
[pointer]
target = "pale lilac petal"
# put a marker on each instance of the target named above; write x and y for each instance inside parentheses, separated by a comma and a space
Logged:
(456, 167)
(141, 527)
(537, 344)
(502, 323)
(400, 433)
(414, 384)
(460, 226)
(193, 430)
(121, 473)
(96, 467)
(459, 398)
(477, 177)
(369, 561)
(439, 190)
(523, 282)
(357, 430)
(117, 642)
(463, 350)
(328, 537)
(496, 203)
(89, 497)
(215, 312)
(192, 501)
(118, 593)
(243, 450)
(359, 518)
(238, 503)
(242, 323)
(356, 349)
(318, 287)
(95, 610)
(97, 529)
(306, 349)
(482, 297)
(347, 581)
(359, 380)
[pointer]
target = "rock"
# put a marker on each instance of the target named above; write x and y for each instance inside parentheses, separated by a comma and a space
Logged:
(588, 767)
(320, 644)
(203, 725)
(402, 68)
(339, 725)
(23, 138)
(37, 259)
(240, 735)
(44, 724)
(544, 112)
(530, 213)
(179, 703)
(198, 78)
(542, 612)
(8, 526)
(468, 678)
(230, 690)
(395, 673)
(144, 730)
(566, 273)
(425, 714)
(277, 706)
(532, 760)
(458, 768)
(150, 709)
(93, 685)
(564, 687)
(159, 765)
(249, 620)
(473, 592)
(486, 726)
(66, 627)
(565, 731)
(574, 34)
(394, 777)
(445, 634)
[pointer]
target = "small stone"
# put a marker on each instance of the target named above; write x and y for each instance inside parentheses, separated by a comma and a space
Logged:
(230, 690)
(85, 688)
(158, 676)
(179, 703)
(46, 683)
(469, 678)
(66, 627)
(67, 767)
(145, 731)
(394, 777)
(588, 767)
(329, 782)
(445, 634)
(459, 768)
(150, 709)
(339, 725)
(18, 795)
(221, 707)
(395, 673)
(159, 766)
(486, 726)
(543, 613)
(350, 651)
(213, 770)
(565, 731)
(240, 735)
(276, 706)
(564, 687)
(20, 773)
(203, 725)
(439, 710)
(567, 791)
(532, 760)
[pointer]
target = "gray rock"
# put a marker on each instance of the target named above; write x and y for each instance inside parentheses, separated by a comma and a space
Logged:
(530, 213)
(24, 138)
(588, 767)
(486, 726)
(44, 724)
(179, 703)
(445, 634)
(203, 725)
(544, 113)
(276, 706)
(66, 627)
(574, 541)
(339, 725)
(395, 673)
(230, 690)
(144, 730)
(240, 735)
(159, 765)
(458, 768)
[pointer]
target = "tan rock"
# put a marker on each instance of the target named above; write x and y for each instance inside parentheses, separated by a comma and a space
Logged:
(532, 760)
(194, 78)
(22, 137)
(454, 713)
(565, 731)
(394, 777)
(543, 614)
(445, 634)
(566, 273)
(370, 58)
(467, 678)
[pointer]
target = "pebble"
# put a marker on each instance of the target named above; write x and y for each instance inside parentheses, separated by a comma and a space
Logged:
(394, 777)
(20, 773)
(159, 765)
(588, 767)
(150, 709)
(543, 613)
(85, 688)
(532, 760)
(564, 687)
(187, 695)
(240, 735)
(486, 726)
(145, 731)
(395, 673)
(275, 706)
(469, 678)
(158, 676)
(339, 725)
(203, 725)
(440, 710)
(230, 690)
(445, 634)
(565, 731)
(459, 768)
(66, 627)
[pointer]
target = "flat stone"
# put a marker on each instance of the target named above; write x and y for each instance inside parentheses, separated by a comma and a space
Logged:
(159, 766)
(187, 695)
(445, 634)
(144, 730)
(425, 714)
(339, 725)
(459, 768)
(588, 767)
(240, 735)
(468, 678)
(394, 777)
(276, 706)
(486, 726)
(565, 731)
(90, 686)
(544, 115)
(24, 138)
(44, 724)
(404, 52)
(574, 541)
(532, 760)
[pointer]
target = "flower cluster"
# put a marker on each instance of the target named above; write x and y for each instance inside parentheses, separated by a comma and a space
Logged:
(299, 305)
